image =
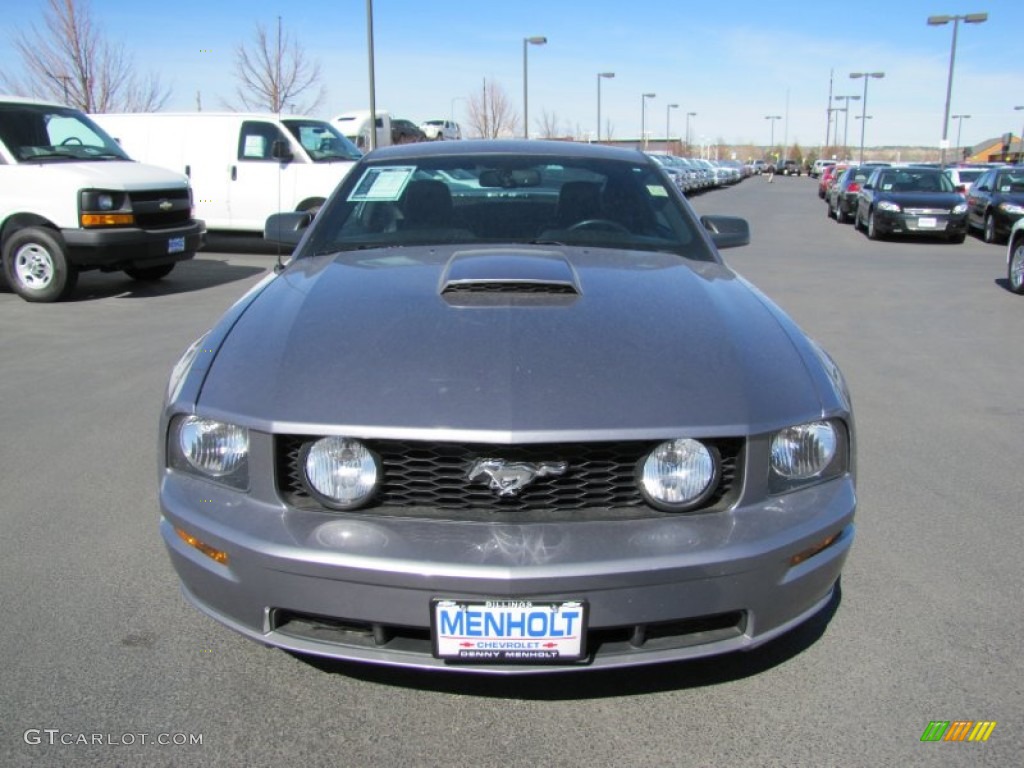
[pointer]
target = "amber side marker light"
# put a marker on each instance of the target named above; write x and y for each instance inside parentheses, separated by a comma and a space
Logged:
(807, 554)
(107, 219)
(206, 549)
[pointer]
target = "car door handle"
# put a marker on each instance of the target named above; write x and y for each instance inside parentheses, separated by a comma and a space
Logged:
(234, 173)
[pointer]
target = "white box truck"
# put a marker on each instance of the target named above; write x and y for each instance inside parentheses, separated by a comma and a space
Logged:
(72, 200)
(243, 167)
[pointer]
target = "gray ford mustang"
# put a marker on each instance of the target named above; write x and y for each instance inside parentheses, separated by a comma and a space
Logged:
(506, 410)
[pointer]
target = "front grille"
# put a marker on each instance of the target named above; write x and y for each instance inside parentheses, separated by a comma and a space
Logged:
(926, 211)
(599, 642)
(161, 208)
(431, 478)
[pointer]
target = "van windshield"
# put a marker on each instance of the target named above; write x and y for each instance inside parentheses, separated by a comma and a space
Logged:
(323, 143)
(47, 133)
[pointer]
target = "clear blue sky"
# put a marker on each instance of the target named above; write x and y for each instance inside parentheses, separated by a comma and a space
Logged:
(732, 63)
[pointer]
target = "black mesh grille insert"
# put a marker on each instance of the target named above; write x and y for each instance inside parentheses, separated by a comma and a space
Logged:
(424, 478)
(510, 287)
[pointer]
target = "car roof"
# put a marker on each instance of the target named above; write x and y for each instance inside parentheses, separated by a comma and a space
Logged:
(473, 147)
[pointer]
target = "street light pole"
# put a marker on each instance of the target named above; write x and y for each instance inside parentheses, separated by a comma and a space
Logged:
(846, 121)
(959, 125)
(643, 117)
(864, 104)
(773, 118)
(969, 18)
(668, 113)
(373, 87)
(527, 41)
(600, 75)
(688, 116)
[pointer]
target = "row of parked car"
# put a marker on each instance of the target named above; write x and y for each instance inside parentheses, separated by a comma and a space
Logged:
(884, 199)
(694, 174)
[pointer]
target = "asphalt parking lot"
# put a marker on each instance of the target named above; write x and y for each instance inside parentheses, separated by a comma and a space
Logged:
(104, 661)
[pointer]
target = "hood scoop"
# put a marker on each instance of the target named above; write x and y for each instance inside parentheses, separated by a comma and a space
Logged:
(503, 277)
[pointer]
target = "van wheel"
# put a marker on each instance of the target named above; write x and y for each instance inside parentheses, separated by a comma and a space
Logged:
(149, 273)
(36, 265)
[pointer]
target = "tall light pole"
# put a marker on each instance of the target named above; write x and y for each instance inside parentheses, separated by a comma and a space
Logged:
(773, 118)
(846, 121)
(668, 123)
(959, 124)
(688, 116)
(1020, 140)
(600, 76)
(643, 117)
(935, 21)
(373, 87)
(528, 41)
(864, 104)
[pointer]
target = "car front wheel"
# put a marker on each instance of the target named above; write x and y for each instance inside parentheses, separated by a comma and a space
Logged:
(989, 234)
(36, 265)
(1015, 269)
(873, 233)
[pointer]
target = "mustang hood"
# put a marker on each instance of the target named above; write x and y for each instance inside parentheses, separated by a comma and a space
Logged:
(507, 343)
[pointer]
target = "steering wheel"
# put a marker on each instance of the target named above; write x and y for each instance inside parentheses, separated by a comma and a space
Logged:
(71, 140)
(602, 225)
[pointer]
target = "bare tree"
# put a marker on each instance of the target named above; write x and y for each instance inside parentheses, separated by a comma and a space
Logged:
(274, 74)
(70, 60)
(548, 125)
(490, 114)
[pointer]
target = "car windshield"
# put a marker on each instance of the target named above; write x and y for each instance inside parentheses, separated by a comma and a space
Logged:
(323, 143)
(43, 133)
(498, 198)
(915, 180)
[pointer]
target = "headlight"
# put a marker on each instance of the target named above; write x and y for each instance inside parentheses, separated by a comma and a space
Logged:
(805, 451)
(959, 208)
(342, 471)
(96, 200)
(1012, 209)
(888, 205)
(213, 448)
(679, 474)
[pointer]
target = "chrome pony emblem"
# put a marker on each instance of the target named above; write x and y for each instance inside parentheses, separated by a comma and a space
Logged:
(508, 478)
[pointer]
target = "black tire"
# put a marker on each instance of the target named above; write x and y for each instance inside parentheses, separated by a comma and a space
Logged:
(841, 215)
(36, 265)
(147, 274)
(988, 234)
(873, 233)
(828, 208)
(1015, 267)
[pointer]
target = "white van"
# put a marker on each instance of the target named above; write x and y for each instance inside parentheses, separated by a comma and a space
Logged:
(356, 127)
(243, 167)
(71, 200)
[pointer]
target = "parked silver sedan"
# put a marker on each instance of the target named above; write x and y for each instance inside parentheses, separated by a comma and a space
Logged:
(506, 410)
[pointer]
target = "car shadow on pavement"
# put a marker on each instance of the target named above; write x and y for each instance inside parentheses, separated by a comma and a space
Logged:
(188, 276)
(598, 684)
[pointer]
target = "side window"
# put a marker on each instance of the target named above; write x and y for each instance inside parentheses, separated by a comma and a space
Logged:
(256, 140)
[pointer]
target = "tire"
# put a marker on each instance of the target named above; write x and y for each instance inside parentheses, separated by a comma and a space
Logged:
(828, 209)
(841, 216)
(1015, 267)
(989, 233)
(36, 265)
(873, 233)
(146, 274)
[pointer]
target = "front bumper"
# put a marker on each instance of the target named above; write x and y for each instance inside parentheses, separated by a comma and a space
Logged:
(121, 248)
(928, 224)
(359, 586)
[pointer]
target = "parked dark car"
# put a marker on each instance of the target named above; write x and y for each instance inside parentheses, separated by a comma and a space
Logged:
(790, 168)
(507, 410)
(405, 131)
(996, 201)
(911, 201)
(842, 195)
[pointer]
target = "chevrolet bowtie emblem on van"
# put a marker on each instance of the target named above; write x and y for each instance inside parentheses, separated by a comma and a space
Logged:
(166, 205)
(508, 478)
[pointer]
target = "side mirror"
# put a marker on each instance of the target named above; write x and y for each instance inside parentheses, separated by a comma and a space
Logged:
(287, 228)
(280, 150)
(727, 231)
(868, 186)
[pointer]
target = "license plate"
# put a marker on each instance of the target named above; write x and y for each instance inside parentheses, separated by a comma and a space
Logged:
(927, 223)
(176, 245)
(508, 631)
